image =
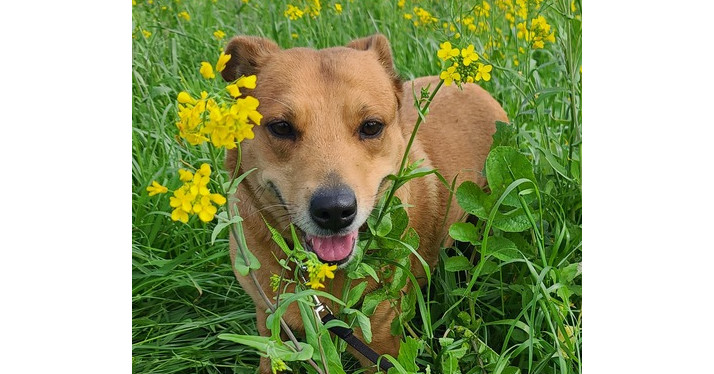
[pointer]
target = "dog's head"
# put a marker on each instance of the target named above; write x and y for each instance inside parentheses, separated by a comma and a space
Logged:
(329, 136)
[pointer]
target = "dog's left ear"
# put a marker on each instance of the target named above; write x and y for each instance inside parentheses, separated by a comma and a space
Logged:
(248, 53)
(379, 45)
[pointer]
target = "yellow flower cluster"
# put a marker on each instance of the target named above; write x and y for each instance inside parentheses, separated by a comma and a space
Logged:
(313, 9)
(421, 17)
(226, 124)
(194, 197)
(293, 12)
(207, 69)
(537, 34)
(462, 67)
(483, 10)
(317, 272)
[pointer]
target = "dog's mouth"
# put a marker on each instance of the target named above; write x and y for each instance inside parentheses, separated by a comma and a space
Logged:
(335, 249)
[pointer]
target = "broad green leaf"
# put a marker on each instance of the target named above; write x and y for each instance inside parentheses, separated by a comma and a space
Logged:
(504, 134)
(241, 265)
(503, 166)
(408, 304)
(457, 263)
(372, 299)
(364, 325)
(223, 222)
(355, 294)
(465, 232)
(473, 200)
(385, 225)
(502, 249)
(512, 220)
(408, 351)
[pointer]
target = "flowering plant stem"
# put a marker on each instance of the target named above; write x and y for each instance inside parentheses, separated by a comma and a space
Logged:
(239, 236)
(423, 110)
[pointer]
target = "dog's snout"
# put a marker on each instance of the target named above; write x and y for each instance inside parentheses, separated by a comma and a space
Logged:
(333, 208)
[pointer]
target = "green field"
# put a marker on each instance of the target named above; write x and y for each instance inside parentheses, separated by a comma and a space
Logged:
(514, 307)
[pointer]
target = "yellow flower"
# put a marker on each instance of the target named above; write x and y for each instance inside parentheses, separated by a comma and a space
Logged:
(400, 3)
(483, 72)
(315, 284)
(482, 10)
(407, 16)
(247, 82)
(446, 52)
(146, 33)
(218, 34)
(424, 17)
(317, 272)
(294, 35)
(185, 15)
(450, 75)
(207, 70)
(293, 12)
(233, 90)
(222, 60)
(469, 55)
(326, 271)
(156, 189)
(185, 98)
(194, 196)
(338, 8)
(185, 175)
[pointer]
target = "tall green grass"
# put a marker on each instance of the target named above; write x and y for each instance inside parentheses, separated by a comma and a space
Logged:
(512, 312)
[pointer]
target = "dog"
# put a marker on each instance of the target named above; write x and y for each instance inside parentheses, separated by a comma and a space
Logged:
(336, 123)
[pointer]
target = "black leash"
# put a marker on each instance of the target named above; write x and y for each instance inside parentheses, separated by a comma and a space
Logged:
(347, 334)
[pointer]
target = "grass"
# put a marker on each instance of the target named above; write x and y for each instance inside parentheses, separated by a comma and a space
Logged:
(512, 312)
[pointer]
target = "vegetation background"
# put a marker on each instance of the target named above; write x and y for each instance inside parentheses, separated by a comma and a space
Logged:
(66, 286)
(524, 312)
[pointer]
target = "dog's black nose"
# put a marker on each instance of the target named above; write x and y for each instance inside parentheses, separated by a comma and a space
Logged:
(333, 208)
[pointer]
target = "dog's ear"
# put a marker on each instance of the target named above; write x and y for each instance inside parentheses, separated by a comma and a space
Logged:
(379, 45)
(247, 55)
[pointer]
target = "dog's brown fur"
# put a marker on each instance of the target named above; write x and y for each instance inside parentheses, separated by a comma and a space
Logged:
(326, 95)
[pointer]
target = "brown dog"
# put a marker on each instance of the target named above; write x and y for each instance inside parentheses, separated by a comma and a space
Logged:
(335, 123)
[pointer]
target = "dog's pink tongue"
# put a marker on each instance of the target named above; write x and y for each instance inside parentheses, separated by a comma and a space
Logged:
(333, 248)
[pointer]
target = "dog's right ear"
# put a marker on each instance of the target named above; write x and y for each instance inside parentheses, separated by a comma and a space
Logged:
(247, 55)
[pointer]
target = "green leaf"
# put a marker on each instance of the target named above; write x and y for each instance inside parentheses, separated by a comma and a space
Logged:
(502, 249)
(223, 222)
(369, 270)
(504, 134)
(244, 267)
(473, 200)
(396, 328)
(278, 239)
(503, 166)
(364, 325)
(271, 348)
(457, 263)
(385, 225)
(465, 232)
(408, 352)
(408, 305)
(355, 294)
(372, 299)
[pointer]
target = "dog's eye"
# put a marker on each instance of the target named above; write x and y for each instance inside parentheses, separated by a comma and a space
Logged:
(370, 129)
(282, 129)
